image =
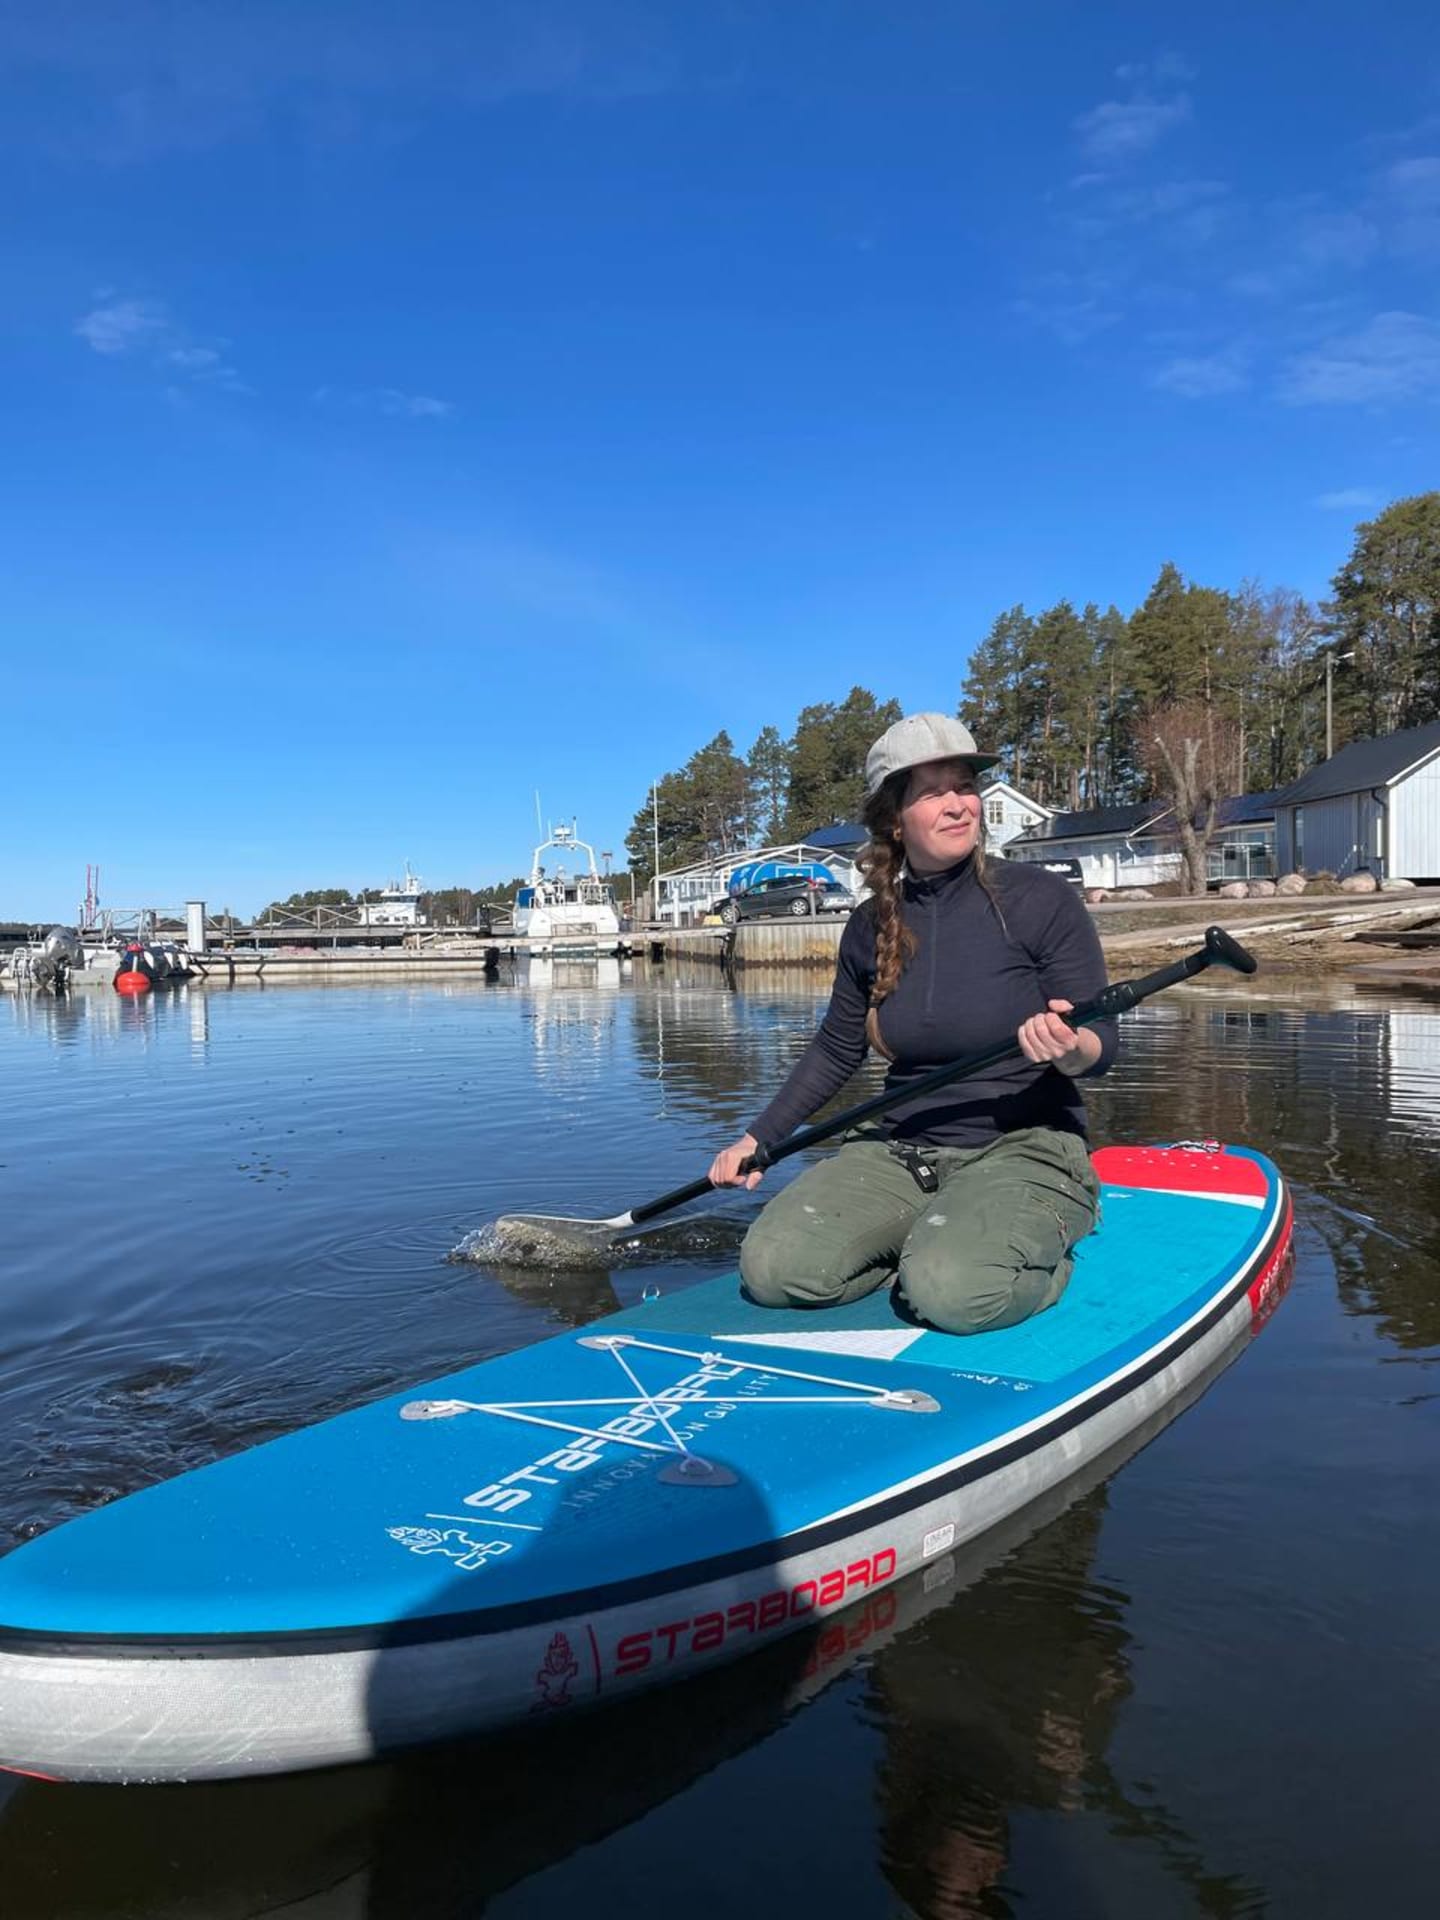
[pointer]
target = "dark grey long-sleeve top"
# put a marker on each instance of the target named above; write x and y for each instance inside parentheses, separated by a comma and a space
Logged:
(976, 974)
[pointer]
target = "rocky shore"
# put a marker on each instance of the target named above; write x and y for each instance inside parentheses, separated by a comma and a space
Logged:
(1370, 935)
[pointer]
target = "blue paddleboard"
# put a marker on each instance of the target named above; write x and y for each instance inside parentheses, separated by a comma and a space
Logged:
(616, 1506)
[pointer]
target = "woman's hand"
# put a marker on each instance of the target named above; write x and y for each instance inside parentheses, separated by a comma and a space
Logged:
(1045, 1039)
(725, 1167)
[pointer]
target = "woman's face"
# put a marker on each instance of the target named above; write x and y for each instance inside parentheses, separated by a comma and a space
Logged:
(939, 815)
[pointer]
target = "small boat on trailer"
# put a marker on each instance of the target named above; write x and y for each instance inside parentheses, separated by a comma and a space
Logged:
(619, 1506)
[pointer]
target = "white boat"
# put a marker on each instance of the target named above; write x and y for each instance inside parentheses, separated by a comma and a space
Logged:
(576, 910)
(396, 905)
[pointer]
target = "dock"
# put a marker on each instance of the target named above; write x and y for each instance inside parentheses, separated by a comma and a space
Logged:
(754, 946)
(1338, 933)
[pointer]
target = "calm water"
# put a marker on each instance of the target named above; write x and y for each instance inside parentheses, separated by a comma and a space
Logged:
(1208, 1685)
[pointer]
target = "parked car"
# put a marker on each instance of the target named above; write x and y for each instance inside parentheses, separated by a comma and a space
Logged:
(1070, 870)
(796, 893)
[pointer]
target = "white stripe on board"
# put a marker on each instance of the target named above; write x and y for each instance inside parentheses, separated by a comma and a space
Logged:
(1256, 1200)
(879, 1343)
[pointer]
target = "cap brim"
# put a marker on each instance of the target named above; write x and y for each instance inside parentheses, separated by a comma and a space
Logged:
(981, 762)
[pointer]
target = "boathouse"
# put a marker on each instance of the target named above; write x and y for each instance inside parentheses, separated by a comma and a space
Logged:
(685, 896)
(1373, 806)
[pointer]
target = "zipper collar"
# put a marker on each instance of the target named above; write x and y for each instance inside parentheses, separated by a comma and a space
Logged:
(936, 886)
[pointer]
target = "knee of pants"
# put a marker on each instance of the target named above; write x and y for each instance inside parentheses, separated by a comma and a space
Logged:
(762, 1275)
(775, 1277)
(959, 1298)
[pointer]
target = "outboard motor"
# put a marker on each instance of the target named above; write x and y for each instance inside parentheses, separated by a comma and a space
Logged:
(60, 951)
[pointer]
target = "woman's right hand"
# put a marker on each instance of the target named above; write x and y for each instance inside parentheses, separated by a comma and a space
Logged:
(725, 1167)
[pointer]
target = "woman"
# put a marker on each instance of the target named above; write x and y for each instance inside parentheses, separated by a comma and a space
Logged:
(973, 1195)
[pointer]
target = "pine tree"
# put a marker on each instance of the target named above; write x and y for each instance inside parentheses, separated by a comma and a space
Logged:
(827, 760)
(1057, 691)
(1386, 611)
(767, 773)
(990, 699)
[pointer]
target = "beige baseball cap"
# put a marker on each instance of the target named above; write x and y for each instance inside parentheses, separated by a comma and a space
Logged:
(917, 738)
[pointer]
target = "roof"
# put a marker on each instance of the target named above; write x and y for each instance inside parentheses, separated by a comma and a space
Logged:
(1147, 817)
(1363, 765)
(1094, 823)
(992, 783)
(1246, 809)
(839, 835)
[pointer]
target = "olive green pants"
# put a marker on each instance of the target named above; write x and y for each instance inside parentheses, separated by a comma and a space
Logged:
(989, 1248)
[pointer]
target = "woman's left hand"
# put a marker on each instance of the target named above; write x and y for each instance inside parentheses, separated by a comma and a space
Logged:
(1049, 1042)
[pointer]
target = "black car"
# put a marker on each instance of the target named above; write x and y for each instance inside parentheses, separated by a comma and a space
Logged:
(797, 893)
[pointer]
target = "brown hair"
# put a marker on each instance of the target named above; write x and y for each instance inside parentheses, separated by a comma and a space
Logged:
(881, 862)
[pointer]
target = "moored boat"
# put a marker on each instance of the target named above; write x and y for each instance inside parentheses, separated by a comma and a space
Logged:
(576, 909)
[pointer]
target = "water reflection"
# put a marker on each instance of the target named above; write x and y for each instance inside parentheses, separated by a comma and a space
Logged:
(993, 1680)
(100, 1016)
(1344, 1097)
(1003, 1707)
(197, 1258)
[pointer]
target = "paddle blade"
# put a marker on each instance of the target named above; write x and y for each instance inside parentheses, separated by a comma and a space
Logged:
(543, 1240)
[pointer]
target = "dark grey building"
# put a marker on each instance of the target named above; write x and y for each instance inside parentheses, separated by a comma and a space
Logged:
(1374, 806)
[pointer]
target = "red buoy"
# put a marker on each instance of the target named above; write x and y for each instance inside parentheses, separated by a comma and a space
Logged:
(132, 983)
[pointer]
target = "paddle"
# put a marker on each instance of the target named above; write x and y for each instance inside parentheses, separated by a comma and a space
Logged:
(555, 1234)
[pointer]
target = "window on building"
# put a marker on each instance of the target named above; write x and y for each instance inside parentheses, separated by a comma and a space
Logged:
(995, 813)
(1300, 838)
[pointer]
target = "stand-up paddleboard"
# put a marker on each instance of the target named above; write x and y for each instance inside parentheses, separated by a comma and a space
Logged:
(668, 1488)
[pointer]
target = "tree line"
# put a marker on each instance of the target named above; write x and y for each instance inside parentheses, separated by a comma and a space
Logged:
(1199, 694)
(440, 906)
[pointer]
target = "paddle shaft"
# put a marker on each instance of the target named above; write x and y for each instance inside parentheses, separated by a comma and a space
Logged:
(1219, 949)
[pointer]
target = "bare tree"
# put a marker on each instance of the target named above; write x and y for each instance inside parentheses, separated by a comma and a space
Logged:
(1191, 755)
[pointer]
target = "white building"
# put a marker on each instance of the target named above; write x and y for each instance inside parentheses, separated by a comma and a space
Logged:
(1137, 846)
(1009, 813)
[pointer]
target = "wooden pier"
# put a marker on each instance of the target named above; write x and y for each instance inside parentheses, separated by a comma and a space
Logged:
(754, 946)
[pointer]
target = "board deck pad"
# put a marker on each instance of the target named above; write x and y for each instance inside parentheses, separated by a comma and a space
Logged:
(688, 1429)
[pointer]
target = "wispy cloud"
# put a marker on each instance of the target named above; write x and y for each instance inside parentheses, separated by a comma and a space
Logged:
(1117, 131)
(1413, 188)
(390, 401)
(1395, 357)
(124, 80)
(1416, 182)
(122, 326)
(119, 326)
(1073, 307)
(1179, 213)
(1122, 234)
(1348, 499)
(1307, 243)
(1201, 376)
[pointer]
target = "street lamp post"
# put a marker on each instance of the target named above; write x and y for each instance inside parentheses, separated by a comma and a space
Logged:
(655, 829)
(1330, 660)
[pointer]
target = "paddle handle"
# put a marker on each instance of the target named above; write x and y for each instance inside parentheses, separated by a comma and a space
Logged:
(1220, 949)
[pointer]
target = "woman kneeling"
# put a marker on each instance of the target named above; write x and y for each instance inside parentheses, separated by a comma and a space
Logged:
(972, 1196)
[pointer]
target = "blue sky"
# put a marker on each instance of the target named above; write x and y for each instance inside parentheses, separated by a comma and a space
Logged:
(407, 408)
